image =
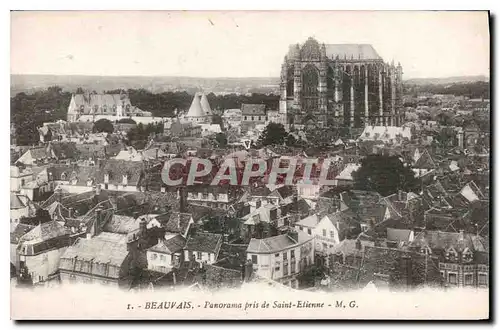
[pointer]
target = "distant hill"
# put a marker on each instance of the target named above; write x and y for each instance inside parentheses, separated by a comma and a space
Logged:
(446, 81)
(159, 84)
(31, 83)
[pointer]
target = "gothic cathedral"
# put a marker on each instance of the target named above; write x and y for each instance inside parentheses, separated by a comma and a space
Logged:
(339, 85)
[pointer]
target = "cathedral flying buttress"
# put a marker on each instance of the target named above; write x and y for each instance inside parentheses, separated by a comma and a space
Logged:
(343, 85)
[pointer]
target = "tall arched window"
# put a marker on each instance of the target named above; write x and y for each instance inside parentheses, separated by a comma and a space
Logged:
(310, 83)
(290, 83)
(330, 85)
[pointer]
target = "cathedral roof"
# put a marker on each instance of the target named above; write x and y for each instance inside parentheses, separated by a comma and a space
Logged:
(343, 51)
(355, 51)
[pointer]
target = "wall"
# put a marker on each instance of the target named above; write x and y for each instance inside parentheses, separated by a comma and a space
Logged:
(209, 258)
(43, 264)
(72, 278)
(160, 262)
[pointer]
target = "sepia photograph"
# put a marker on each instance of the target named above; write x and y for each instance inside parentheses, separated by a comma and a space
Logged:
(186, 165)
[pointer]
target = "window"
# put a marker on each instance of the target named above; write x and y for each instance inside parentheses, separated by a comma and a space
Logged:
(285, 256)
(277, 268)
(198, 255)
(442, 274)
(324, 232)
(452, 278)
(482, 279)
(162, 257)
(205, 195)
(468, 280)
(154, 256)
(277, 255)
(292, 254)
(309, 231)
(332, 234)
(325, 246)
(245, 117)
(285, 271)
(254, 259)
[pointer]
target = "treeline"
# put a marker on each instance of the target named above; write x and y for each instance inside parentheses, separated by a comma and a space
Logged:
(30, 111)
(473, 90)
(165, 104)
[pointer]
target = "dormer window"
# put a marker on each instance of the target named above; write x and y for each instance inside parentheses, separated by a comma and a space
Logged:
(451, 255)
(125, 179)
(467, 255)
(106, 178)
(63, 177)
(104, 108)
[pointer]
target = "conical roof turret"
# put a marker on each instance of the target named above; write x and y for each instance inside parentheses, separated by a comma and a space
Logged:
(195, 110)
(205, 106)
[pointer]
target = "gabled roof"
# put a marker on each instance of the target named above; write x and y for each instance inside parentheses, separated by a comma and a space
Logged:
(169, 245)
(204, 242)
(276, 243)
(97, 250)
(309, 222)
(15, 202)
(174, 222)
(445, 240)
(398, 235)
(20, 230)
(253, 109)
(45, 231)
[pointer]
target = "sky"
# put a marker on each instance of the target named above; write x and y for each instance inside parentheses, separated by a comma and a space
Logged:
(240, 44)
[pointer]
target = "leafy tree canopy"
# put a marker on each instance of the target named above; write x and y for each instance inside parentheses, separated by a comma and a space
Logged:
(385, 175)
(273, 134)
(103, 125)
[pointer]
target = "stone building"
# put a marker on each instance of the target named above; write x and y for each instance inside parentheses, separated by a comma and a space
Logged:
(339, 85)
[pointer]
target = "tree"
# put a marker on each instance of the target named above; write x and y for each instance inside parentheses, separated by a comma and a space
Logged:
(103, 125)
(385, 175)
(127, 121)
(273, 134)
(221, 139)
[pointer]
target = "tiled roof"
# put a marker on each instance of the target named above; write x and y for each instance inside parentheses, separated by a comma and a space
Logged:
(444, 240)
(174, 222)
(204, 242)
(398, 235)
(98, 250)
(171, 245)
(276, 243)
(121, 224)
(253, 109)
(45, 231)
(310, 221)
(20, 230)
(15, 202)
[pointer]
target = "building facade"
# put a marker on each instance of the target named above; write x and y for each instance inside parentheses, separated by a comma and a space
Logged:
(339, 85)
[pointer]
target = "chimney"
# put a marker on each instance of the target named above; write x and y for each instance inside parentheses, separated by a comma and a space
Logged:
(70, 212)
(461, 235)
(294, 235)
(98, 189)
(143, 228)
(406, 271)
(247, 270)
(98, 221)
(400, 194)
(182, 200)
(359, 246)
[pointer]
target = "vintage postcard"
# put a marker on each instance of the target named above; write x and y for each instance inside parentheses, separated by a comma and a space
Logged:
(185, 165)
